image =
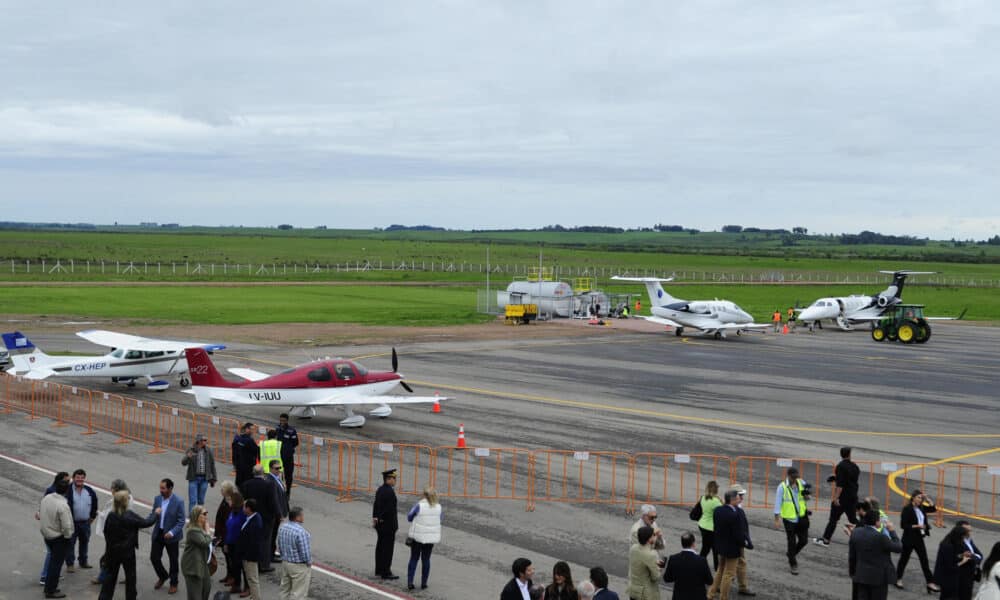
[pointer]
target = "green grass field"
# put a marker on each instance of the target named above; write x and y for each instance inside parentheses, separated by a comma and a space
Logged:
(402, 306)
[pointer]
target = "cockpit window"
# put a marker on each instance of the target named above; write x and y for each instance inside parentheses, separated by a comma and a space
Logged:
(344, 371)
(359, 369)
(133, 354)
(153, 354)
(320, 374)
(118, 353)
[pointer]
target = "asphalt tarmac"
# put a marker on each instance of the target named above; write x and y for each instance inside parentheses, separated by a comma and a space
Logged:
(626, 390)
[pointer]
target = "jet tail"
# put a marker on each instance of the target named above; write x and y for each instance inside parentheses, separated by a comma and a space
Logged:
(894, 293)
(657, 295)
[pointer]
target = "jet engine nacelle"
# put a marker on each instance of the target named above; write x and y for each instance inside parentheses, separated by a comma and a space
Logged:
(882, 301)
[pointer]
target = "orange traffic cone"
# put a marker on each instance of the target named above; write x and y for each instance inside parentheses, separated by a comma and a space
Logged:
(437, 405)
(461, 437)
(784, 330)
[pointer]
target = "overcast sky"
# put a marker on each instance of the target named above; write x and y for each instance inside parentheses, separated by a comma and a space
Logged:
(835, 116)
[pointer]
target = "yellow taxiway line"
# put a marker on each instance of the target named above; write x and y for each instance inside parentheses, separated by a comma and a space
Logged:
(895, 488)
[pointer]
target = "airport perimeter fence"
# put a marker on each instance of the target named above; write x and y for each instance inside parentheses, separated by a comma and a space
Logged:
(609, 478)
(200, 271)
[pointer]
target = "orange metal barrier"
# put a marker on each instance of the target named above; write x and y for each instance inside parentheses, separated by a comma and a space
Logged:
(670, 479)
(593, 477)
(585, 477)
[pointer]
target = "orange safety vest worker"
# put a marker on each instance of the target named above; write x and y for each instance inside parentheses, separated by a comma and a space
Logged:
(776, 317)
(638, 306)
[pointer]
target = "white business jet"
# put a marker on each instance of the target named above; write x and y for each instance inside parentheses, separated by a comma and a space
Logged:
(329, 382)
(131, 357)
(847, 311)
(711, 317)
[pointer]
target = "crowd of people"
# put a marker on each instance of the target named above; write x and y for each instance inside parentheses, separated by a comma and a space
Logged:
(255, 526)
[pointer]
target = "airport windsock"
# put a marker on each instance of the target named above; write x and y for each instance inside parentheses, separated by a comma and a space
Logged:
(461, 436)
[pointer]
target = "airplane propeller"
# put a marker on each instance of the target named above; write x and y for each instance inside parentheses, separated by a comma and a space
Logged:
(395, 367)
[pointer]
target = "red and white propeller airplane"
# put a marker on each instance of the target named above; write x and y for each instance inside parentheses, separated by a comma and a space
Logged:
(330, 382)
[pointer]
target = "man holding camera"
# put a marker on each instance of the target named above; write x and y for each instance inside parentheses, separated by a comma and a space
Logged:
(790, 510)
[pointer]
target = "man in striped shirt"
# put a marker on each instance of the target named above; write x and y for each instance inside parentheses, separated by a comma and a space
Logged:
(296, 568)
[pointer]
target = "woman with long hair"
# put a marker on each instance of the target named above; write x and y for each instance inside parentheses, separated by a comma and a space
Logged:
(709, 502)
(121, 534)
(425, 531)
(221, 516)
(194, 560)
(954, 565)
(913, 521)
(561, 587)
(989, 589)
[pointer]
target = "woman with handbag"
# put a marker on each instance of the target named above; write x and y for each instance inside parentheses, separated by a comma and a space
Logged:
(913, 521)
(425, 531)
(197, 556)
(707, 505)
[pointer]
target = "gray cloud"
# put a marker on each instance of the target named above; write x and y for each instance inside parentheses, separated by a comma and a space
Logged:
(471, 114)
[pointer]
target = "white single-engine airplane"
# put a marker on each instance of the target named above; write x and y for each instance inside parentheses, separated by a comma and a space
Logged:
(131, 357)
(711, 317)
(846, 311)
(330, 382)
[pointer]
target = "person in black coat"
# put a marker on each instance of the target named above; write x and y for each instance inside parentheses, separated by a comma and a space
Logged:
(688, 571)
(249, 546)
(913, 521)
(956, 563)
(522, 571)
(385, 520)
(268, 506)
(732, 536)
(245, 454)
(121, 535)
(868, 558)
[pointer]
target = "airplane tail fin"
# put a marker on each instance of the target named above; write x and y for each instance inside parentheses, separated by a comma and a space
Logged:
(25, 355)
(894, 293)
(202, 370)
(657, 295)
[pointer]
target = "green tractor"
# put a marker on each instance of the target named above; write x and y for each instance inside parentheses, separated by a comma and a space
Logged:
(903, 322)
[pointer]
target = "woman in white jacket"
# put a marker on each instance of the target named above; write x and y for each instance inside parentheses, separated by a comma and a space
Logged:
(989, 589)
(425, 531)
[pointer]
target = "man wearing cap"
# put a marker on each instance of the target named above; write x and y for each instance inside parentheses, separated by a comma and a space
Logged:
(732, 539)
(386, 522)
(289, 439)
(200, 465)
(790, 512)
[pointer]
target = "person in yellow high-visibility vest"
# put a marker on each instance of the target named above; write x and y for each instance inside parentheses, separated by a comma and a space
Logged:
(270, 449)
(790, 511)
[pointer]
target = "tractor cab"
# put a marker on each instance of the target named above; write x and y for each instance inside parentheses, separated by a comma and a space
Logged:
(902, 322)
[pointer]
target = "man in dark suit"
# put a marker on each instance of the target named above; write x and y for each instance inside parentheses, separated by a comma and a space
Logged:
(251, 536)
(522, 571)
(599, 577)
(265, 492)
(688, 571)
(868, 560)
(385, 520)
(277, 480)
(167, 533)
(732, 536)
(245, 453)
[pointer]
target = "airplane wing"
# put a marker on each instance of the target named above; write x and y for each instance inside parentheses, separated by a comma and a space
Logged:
(642, 279)
(113, 339)
(743, 326)
(248, 374)
(660, 321)
(380, 400)
(38, 373)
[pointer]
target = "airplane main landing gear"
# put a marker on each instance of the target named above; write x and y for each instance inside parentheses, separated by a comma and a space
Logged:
(185, 382)
(352, 420)
(679, 331)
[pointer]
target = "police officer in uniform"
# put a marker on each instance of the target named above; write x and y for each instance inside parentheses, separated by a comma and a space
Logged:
(245, 454)
(385, 522)
(289, 439)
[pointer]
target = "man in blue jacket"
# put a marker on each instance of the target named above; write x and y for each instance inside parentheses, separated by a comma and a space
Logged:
(83, 504)
(167, 534)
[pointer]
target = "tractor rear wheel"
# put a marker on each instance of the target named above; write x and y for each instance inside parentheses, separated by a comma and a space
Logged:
(890, 333)
(925, 331)
(878, 334)
(908, 331)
